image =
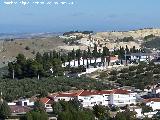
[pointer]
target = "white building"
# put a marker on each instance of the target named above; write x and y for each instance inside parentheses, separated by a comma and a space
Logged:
(89, 98)
(140, 56)
(121, 97)
(65, 96)
(138, 111)
(74, 63)
(47, 103)
(25, 102)
(153, 102)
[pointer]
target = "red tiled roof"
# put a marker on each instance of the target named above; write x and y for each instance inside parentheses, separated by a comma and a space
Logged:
(120, 91)
(105, 92)
(87, 93)
(71, 94)
(113, 58)
(66, 95)
(94, 92)
(44, 100)
(19, 109)
(152, 99)
(50, 102)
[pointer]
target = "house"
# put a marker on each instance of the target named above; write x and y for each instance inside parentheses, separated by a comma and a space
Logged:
(74, 63)
(89, 98)
(153, 102)
(138, 111)
(66, 96)
(19, 110)
(47, 103)
(25, 102)
(119, 97)
(140, 56)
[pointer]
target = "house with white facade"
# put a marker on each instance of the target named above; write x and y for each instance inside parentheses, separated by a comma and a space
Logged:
(47, 103)
(138, 111)
(119, 97)
(89, 98)
(66, 96)
(140, 56)
(153, 102)
(74, 63)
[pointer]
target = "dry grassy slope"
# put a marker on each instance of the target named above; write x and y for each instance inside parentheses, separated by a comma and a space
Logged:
(109, 39)
(137, 34)
(10, 49)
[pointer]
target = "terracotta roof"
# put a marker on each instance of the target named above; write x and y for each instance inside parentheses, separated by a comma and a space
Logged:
(19, 109)
(70, 94)
(152, 100)
(105, 92)
(44, 100)
(119, 91)
(66, 95)
(94, 92)
(88, 92)
(113, 58)
(50, 102)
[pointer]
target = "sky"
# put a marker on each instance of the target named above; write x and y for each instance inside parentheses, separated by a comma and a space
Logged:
(96, 15)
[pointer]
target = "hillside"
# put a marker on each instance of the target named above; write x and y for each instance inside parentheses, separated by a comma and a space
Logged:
(10, 49)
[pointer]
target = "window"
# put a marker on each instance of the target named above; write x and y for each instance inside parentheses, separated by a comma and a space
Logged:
(25, 103)
(47, 105)
(93, 102)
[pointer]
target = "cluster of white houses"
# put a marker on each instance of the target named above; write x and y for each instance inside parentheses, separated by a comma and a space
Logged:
(89, 98)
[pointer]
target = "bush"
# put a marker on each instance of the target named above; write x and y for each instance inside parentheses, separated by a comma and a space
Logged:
(27, 48)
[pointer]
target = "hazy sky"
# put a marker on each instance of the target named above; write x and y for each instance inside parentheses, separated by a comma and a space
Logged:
(96, 15)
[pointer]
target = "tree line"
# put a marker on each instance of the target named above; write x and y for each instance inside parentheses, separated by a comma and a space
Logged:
(50, 63)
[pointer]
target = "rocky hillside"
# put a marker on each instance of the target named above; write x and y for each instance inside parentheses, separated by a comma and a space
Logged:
(136, 34)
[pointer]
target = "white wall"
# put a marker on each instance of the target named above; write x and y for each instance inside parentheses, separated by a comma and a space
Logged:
(63, 98)
(122, 99)
(27, 101)
(154, 105)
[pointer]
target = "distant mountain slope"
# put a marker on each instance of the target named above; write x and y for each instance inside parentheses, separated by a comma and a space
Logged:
(136, 34)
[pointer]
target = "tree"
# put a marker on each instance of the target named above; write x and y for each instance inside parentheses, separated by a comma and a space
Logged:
(146, 108)
(95, 54)
(105, 53)
(20, 59)
(36, 69)
(57, 108)
(39, 58)
(84, 56)
(89, 54)
(36, 115)
(73, 56)
(126, 115)
(57, 67)
(78, 55)
(5, 110)
(100, 112)
(38, 106)
(11, 70)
